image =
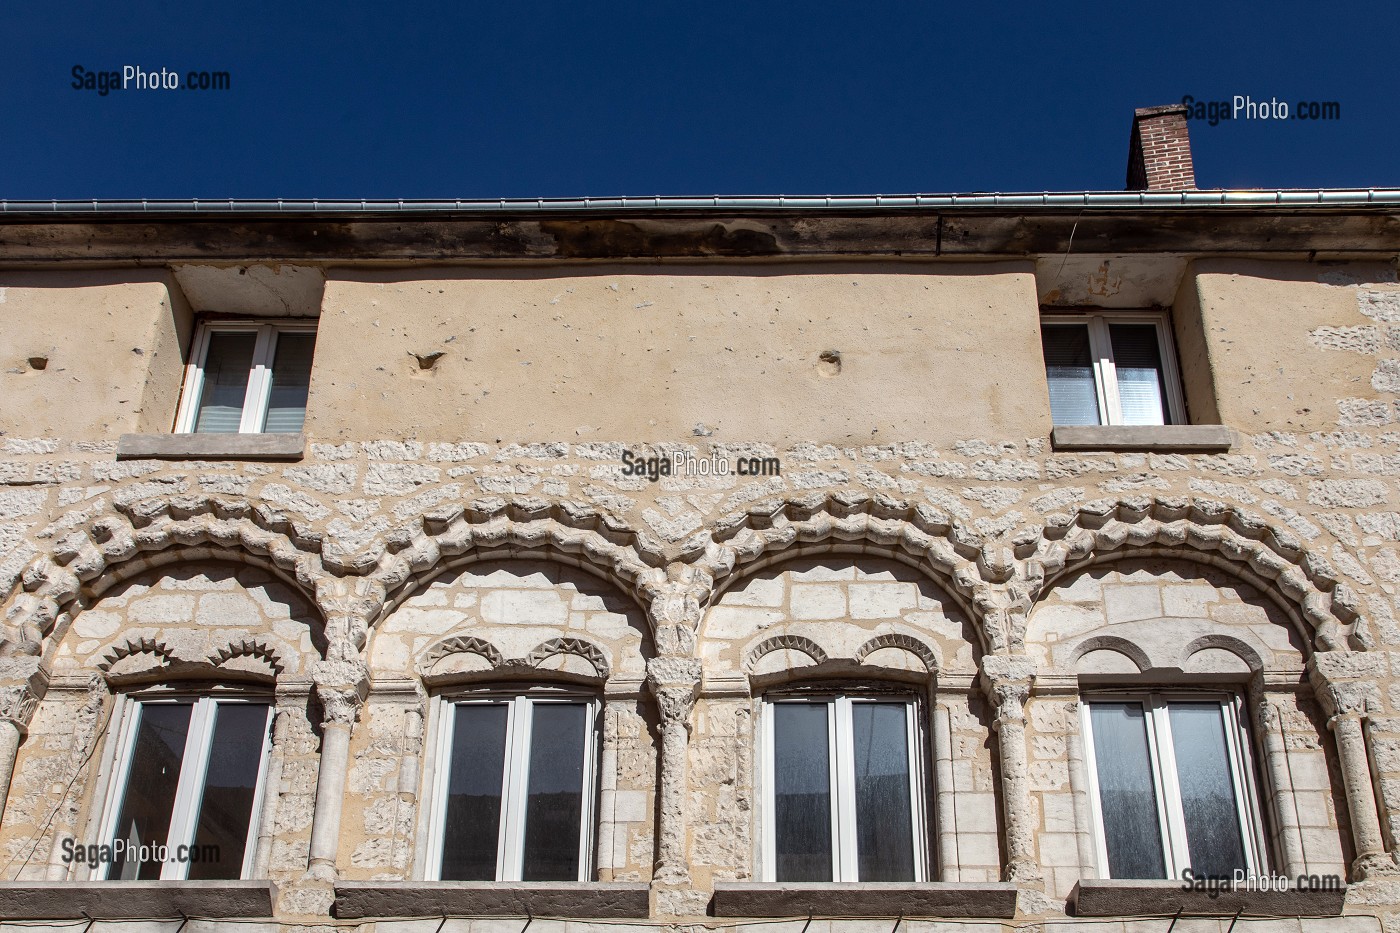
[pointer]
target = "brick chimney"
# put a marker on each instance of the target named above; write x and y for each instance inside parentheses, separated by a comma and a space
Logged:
(1159, 153)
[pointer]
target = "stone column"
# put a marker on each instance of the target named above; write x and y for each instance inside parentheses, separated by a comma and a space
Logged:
(945, 797)
(341, 688)
(1268, 719)
(607, 792)
(676, 683)
(1007, 681)
(22, 682)
(1347, 704)
(1079, 791)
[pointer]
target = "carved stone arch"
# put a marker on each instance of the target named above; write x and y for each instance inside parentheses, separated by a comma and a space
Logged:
(147, 534)
(567, 533)
(461, 644)
(783, 643)
(1123, 646)
(1238, 647)
(920, 536)
(1271, 559)
(132, 647)
(578, 647)
(909, 643)
(248, 648)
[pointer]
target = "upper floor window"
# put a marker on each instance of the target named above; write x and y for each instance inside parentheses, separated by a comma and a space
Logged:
(187, 789)
(247, 378)
(1106, 368)
(1171, 785)
(844, 794)
(515, 783)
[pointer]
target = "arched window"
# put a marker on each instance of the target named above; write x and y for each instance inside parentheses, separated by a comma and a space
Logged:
(187, 772)
(1172, 784)
(844, 788)
(513, 791)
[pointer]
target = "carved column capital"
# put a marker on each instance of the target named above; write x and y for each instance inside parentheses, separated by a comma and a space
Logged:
(676, 684)
(341, 688)
(1007, 682)
(23, 683)
(1347, 700)
(349, 609)
(675, 601)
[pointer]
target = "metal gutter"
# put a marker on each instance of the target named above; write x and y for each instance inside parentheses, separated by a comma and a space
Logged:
(1107, 200)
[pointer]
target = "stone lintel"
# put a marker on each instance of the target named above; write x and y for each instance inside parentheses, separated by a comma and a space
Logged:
(134, 900)
(864, 899)
(211, 447)
(1176, 438)
(1104, 898)
(357, 899)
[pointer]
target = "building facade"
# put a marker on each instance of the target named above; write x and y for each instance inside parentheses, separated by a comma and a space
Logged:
(954, 562)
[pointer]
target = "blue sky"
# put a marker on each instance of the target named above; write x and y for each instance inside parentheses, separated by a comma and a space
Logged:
(545, 99)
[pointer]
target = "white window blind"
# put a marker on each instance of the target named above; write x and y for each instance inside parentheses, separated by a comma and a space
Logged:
(1110, 368)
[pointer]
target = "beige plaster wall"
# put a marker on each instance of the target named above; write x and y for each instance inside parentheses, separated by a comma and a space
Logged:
(636, 353)
(1287, 343)
(114, 342)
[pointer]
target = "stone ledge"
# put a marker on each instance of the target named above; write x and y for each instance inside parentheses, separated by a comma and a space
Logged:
(1165, 437)
(359, 899)
(135, 900)
(211, 447)
(1128, 898)
(945, 899)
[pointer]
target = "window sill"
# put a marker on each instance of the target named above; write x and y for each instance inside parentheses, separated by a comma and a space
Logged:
(211, 447)
(1175, 438)
(944, 899)
(359, 899)
(1103, 898)
(135, 900)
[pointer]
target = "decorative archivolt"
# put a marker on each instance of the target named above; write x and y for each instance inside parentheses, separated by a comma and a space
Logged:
(1202, 530)
(996, 583)
(499, 665)
(148, 534)
(494, 528)
(137, 656)
(979, 577)
(783, 643)
(351, 591)
(899, 640)
(803, 645)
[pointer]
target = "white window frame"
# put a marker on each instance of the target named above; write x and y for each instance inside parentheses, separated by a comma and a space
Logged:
(1162, 759)
(1106, 373)
(510, 848)
(259, 377)
(845, 855)
(193, 764)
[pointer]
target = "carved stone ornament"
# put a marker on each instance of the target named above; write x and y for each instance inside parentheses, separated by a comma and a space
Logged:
(341, 687)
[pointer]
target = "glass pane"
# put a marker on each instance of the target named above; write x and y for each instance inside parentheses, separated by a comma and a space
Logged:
(149, 796)
(1142, 389)
(226, 368)
(291, 376)
(1207, 789)
(554, 805)
(226, 811)
(1127, 795)
(801, 792)
(884, 821)
(1069, 369)
(471, 826)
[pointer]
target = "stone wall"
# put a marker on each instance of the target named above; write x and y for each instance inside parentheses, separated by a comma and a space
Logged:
(357, 585)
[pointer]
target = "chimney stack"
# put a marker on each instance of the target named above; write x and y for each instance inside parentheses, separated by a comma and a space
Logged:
(1159, 153)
